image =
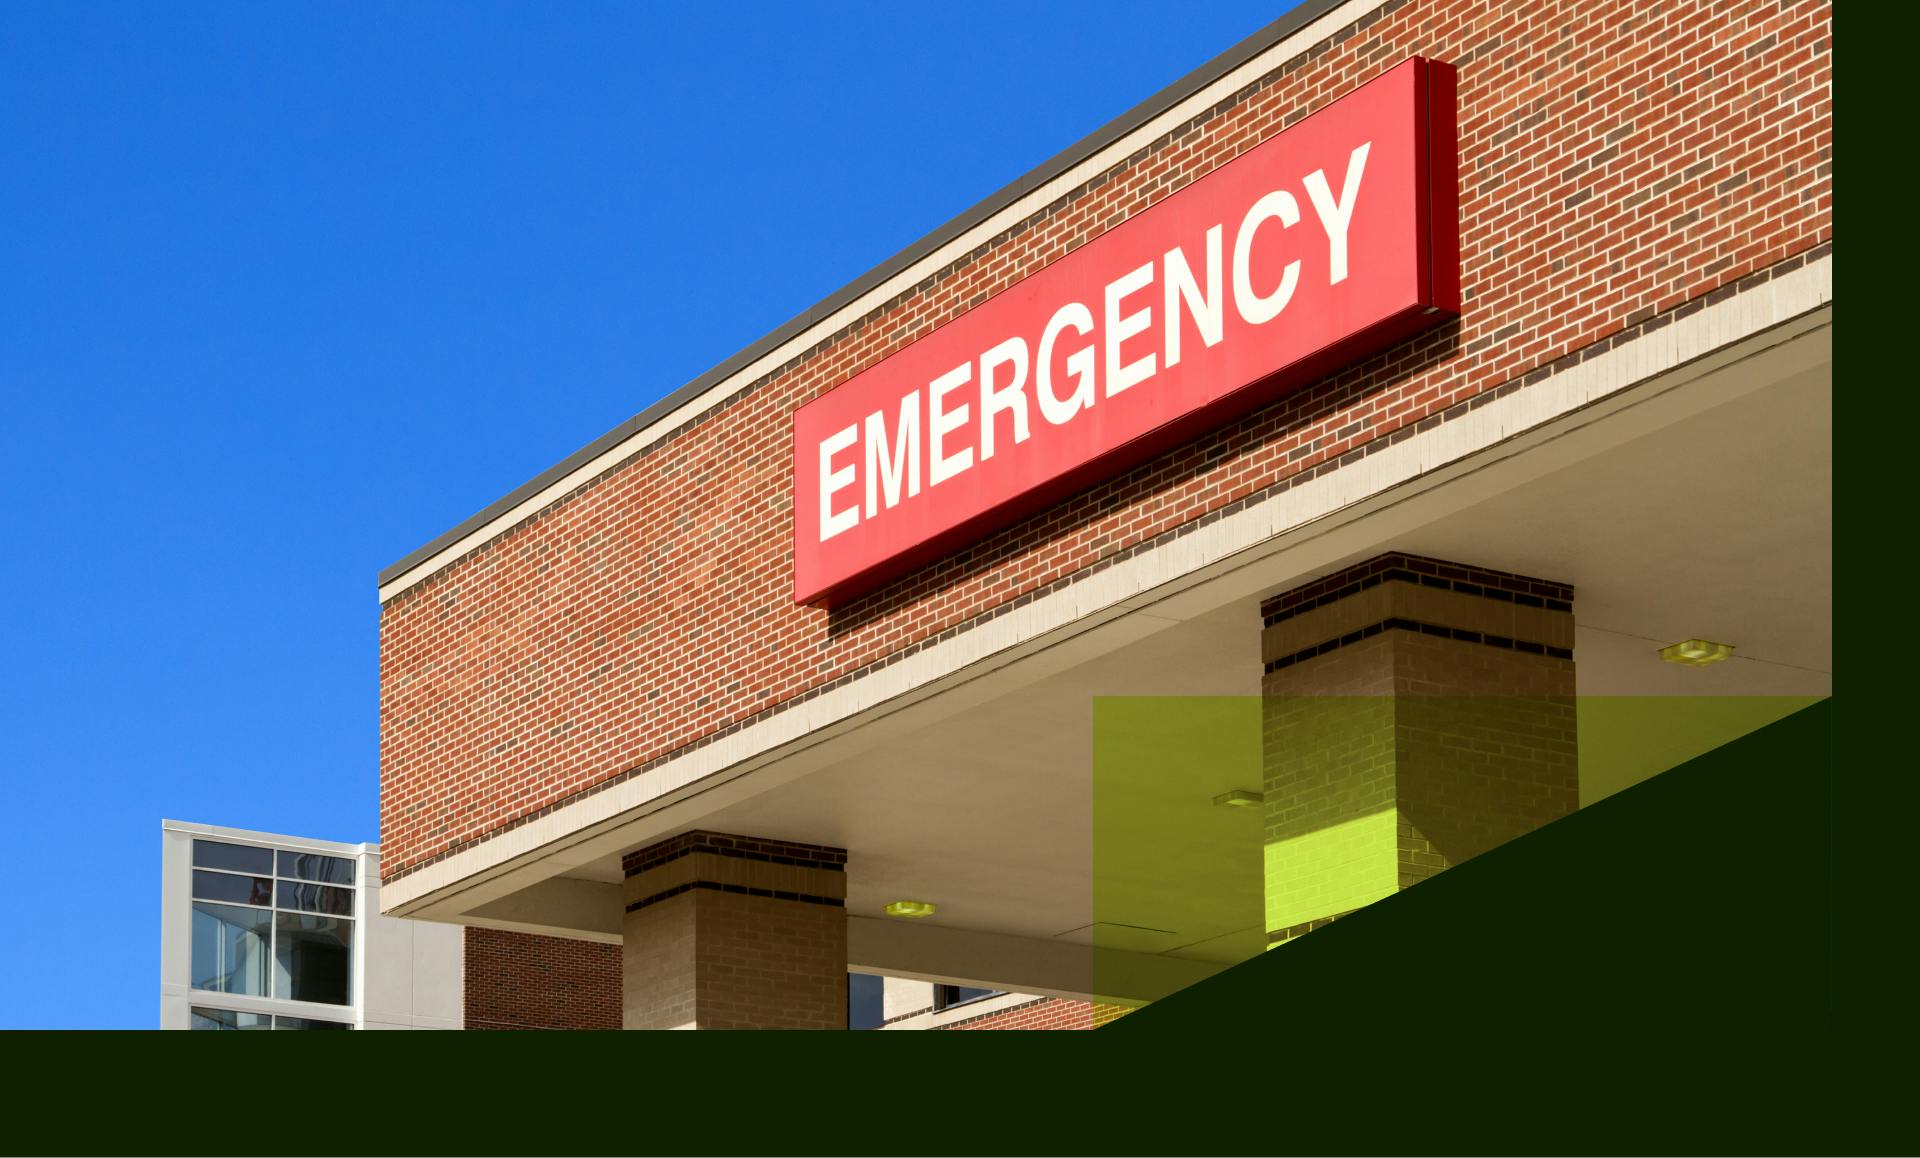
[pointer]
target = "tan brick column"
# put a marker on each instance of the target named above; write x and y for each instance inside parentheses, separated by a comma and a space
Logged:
(735, 932)
(1417, 713)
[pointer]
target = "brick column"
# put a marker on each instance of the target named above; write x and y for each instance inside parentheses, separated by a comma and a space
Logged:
(1417, 713)
(735, 932)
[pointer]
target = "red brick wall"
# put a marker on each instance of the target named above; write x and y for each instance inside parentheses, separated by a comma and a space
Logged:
(1619, 161)
(523, 981)
(1044, 1013)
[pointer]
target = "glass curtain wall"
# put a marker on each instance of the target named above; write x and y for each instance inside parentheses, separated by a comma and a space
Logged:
(270, 923)
(207, 1017)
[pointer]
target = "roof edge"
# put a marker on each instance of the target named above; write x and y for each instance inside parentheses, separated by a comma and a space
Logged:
(278, 839)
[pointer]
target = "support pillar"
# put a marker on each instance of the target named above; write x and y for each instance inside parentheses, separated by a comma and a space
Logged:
(1417, 713)
(735, 932)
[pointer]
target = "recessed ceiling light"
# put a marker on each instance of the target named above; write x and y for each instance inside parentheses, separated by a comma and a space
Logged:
(1239, 798)
(910, 909)
(1696, 652)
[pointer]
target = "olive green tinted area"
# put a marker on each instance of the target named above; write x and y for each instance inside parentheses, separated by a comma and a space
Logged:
(1625, 739)
(1174, 873)
(1189, 870)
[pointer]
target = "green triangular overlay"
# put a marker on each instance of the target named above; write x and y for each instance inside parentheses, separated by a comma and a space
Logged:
(1689, 910)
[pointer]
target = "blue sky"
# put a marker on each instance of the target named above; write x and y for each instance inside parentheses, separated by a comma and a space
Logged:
(291, 289)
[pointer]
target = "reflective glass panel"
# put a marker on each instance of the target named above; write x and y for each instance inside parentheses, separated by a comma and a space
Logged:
(232, 887)
(245, 858)
(316, 898)
(311, 866)
(204, 1018)
(313, 958)
(866, 1001)
(307, 1023)
(230, 948)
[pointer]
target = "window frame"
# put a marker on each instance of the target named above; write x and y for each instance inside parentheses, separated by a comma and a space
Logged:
(273, 1019)
(273, 909)
(941, 988)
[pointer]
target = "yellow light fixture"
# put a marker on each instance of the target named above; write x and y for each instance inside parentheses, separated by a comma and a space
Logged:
(1239, 798)
(1696, 652)
(910, 909)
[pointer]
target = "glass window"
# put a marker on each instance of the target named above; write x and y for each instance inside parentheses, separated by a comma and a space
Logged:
(230, 948)
(204, 1018)
(311, 866)
(866, 1001)
(244, 858)
(948, 996)
(307, 1023)
(297, 946)
(316, 899)
(313, 958)
(232, 887)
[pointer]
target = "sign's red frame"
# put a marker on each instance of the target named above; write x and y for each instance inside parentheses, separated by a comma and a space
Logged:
(1333, 239)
